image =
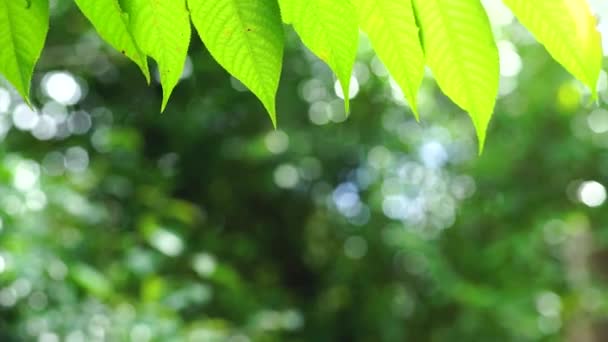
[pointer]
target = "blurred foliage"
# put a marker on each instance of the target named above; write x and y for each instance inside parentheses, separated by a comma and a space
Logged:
(205, 224)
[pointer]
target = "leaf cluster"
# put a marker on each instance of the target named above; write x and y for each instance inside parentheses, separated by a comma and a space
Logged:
(246, 37)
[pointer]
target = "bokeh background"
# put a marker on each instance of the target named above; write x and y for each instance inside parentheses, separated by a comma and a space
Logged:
(118, 223)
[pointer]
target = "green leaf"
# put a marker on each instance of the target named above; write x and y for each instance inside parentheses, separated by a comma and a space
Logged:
(162, 31)
(286, 11)
(246, 38)
(112, 24)
(23, 28)
(392, 30)
(567, 29)
(461, 52)
(329, 28)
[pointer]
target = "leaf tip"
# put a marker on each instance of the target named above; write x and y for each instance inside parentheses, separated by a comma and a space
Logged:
(28, 102)
(481, 123)
(273, 118)
(414, 109)
(481, 137)
(346, 95)
(167, 91)
(142, 63)
(25, 94)
(346, 106)
(272, 113)
(146, 75)
(594, 94)
(480, 147)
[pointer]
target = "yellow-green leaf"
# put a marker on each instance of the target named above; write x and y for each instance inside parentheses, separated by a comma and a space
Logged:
(567, 29)
(392, 30)
(246, 38)
(112, 24)
(286, 10)
(462, 54)
(162, 31)
(23, 28)
(330, 30)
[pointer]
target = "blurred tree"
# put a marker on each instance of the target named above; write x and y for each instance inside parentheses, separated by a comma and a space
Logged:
(205, 224)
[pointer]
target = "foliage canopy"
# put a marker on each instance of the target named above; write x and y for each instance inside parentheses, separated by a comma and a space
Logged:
(453, 38)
